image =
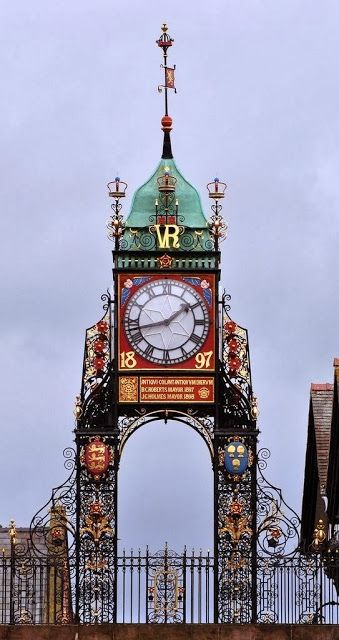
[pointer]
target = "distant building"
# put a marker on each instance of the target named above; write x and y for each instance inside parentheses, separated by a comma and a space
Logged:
(320, 507)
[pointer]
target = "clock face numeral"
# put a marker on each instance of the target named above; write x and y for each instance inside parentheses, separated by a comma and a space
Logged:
(137, 335)
(166, 321)
(148, 351)
(166, 356)
(167, 287)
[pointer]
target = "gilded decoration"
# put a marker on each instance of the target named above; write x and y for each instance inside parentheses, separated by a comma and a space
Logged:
(96, 456)
(235, 458)
(260, 571)
(165, 261)
(128, 389)
(236, 524)
(97, 356)
(97, 523)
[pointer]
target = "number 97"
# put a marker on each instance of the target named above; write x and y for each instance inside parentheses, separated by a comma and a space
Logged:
(203, 359)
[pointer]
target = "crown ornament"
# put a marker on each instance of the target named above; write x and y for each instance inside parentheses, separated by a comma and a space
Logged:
(165, 39)
(166, 183)
(115, 225)
(218, 227)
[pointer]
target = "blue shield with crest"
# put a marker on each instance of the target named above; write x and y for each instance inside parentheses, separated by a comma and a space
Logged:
(236, 458)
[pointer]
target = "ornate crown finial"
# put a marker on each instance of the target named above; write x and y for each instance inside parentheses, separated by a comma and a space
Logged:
(166, 183)
(216, 190)
(165, 39)
(117, 190)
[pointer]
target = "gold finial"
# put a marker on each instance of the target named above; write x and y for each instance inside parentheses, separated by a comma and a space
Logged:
(78, 408)
(12, 531)
(254, 408)
(319, 534)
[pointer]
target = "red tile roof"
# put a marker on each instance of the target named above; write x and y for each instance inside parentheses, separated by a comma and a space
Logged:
(327, 386)
(322, 401)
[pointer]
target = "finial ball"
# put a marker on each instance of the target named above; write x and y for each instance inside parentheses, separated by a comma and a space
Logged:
(166, 123)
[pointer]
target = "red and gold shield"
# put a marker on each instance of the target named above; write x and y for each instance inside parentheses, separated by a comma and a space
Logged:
(97, 456)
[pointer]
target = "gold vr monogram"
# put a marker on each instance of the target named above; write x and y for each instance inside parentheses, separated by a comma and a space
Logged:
(167, 235)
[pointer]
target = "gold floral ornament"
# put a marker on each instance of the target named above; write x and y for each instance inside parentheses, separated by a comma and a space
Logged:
(165, 261)
(236, 524)
(97, 523)
(128, 389)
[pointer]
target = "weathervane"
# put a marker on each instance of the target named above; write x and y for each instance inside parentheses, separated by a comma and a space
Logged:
(164, 42)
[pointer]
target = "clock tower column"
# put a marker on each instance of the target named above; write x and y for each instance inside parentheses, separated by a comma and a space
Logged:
(166, 349)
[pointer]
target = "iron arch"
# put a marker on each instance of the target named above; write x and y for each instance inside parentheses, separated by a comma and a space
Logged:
(202, 425)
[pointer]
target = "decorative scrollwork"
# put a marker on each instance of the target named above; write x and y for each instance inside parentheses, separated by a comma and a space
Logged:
(202, 424)
(165, 587)
(97, 355)
(235, 371)
(278, 524)
(52, 529)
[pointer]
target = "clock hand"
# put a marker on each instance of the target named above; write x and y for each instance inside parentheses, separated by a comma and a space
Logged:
(153, 324)
(166, 321)
(183, 307)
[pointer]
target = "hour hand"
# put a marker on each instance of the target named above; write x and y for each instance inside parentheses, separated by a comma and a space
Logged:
(153, 324)
(166, 321)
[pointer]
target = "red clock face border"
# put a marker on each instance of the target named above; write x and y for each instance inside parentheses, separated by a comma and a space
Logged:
(166, 322)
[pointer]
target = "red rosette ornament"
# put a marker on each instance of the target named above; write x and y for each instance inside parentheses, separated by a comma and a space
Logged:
(102, 326)
(230, 327)
(99, 364)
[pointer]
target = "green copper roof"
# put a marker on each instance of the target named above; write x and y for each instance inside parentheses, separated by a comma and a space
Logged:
(143, 204)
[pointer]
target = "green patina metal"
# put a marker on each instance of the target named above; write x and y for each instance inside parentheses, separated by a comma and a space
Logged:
(189, 200)
(195, 233)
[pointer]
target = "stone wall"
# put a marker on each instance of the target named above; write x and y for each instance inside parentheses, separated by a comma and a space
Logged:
(170, 632)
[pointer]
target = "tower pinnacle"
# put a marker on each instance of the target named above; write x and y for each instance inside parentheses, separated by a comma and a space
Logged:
(164, 42)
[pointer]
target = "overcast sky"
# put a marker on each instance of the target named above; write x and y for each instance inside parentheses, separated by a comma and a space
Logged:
(257, 103)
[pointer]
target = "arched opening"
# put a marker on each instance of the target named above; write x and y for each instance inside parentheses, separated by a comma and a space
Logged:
(165, 489)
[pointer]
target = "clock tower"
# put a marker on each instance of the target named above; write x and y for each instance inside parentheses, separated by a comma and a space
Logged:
(166, 349)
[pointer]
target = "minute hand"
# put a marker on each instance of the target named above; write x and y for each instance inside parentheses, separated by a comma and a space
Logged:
(167, 321)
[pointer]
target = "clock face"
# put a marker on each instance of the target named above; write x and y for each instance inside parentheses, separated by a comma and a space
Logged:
(166, 321)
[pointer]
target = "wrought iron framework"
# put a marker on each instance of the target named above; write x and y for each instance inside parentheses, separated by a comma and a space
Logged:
(69, 570)
(167, 587)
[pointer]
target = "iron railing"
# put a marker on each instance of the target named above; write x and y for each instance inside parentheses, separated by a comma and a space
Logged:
(166, 587)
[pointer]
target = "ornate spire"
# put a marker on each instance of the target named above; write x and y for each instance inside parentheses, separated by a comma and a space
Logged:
(164, 42)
